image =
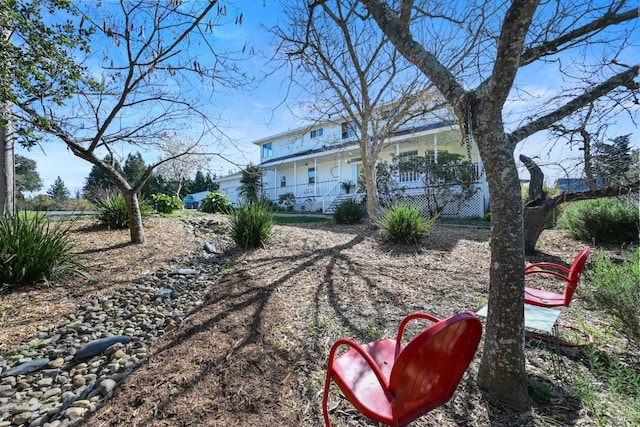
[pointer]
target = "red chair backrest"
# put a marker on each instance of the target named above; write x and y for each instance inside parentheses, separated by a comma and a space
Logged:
(428, 370)
(574, 274)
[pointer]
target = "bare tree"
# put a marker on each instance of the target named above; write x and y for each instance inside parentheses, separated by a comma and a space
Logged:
(501, 38)
(185, 158)
(154, 59)
(355, 75)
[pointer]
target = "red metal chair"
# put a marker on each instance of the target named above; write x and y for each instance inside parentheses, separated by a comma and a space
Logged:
(571, 276)
(395, 385)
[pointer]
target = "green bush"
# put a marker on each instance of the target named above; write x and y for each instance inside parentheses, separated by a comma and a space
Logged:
(163, 203)
(610, 220)
(403, 224)
(287, 200)
(113, 212)
(32, 249)
(216, 203)
(615, 289)
(252, 225)
(348, 212)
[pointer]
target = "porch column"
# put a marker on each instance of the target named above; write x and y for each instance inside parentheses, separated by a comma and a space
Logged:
(295, 178)
(435, 148)
(315, 181)
(275, 184)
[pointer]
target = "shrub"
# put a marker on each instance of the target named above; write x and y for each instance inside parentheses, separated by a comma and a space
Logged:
(348, 212)
(32, 249)
(252, 225)
(113, 211)
(615, 289)
(610, 220)
(163, 203)
(403, 224)
(287, 200)
(216, 203)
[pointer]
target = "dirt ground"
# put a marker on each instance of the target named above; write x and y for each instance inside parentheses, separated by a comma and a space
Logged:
(254, 353)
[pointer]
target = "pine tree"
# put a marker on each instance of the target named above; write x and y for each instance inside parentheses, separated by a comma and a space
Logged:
(58, 191)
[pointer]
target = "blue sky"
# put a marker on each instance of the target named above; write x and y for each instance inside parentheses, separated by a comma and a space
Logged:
(258, 113)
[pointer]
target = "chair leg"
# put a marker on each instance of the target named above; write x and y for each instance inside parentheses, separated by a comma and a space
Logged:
(325, 399)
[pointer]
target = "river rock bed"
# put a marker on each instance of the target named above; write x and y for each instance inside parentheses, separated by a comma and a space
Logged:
(67, 387)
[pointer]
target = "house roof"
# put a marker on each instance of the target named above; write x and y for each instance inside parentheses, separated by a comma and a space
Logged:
(325, 148)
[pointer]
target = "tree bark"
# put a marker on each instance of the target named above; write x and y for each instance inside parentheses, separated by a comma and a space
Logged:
(136, 229)
(7, 166)
(502, 369)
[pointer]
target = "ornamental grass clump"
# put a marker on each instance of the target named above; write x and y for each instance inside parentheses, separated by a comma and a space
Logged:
(113, 211)
(615, 289)
(348, 212)
(252, 225)
(402, 224)
(32, 249)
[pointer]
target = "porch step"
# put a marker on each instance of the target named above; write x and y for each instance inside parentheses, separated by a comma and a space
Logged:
(331, 209)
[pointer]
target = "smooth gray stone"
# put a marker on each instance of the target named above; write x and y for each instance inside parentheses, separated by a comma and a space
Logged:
(210, 248)
(99, 346)
(185, 272)
(164, 293)
(25, 368)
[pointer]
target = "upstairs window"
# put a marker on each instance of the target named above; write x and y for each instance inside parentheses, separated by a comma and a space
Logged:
(317, 132)
(267, 150)
(348, 130)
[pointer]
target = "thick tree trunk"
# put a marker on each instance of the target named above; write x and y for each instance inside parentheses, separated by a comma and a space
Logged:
(502, 368)
(7, 165)
(136, 228)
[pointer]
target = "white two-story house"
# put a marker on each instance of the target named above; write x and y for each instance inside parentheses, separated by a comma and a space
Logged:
(312, 163)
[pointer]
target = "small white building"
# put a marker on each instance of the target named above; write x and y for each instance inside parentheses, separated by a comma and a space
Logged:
(312, 163)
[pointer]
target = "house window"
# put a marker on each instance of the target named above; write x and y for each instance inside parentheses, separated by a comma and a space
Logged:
(267, 150)
(348, 130)
(312, 175)
(317, 132)
(283, 181)
(407, 155)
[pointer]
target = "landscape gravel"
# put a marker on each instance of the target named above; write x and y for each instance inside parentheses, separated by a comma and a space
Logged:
(70, 368)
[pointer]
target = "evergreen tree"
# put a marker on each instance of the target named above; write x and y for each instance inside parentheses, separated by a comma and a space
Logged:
(211, 184)
(98, 184)
(199, 183)
(134, 168)
(27, 178)
(58, 191)
(612, 162)
(251, 184)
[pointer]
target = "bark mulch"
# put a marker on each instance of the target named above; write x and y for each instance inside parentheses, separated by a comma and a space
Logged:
(254, 353)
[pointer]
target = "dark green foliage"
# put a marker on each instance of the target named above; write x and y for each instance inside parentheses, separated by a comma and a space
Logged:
(58, 191)
(402, 224)
(27, 178)
(348, 212)
(113, 212)
(287, 200)
(252, 225)
(38, 60)
(32, 249)
(611, 220)
(98, 184)
(615, 289)
(216, 203)
(613, 161)
(134, 168)
(251, 184)
(165, 204)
